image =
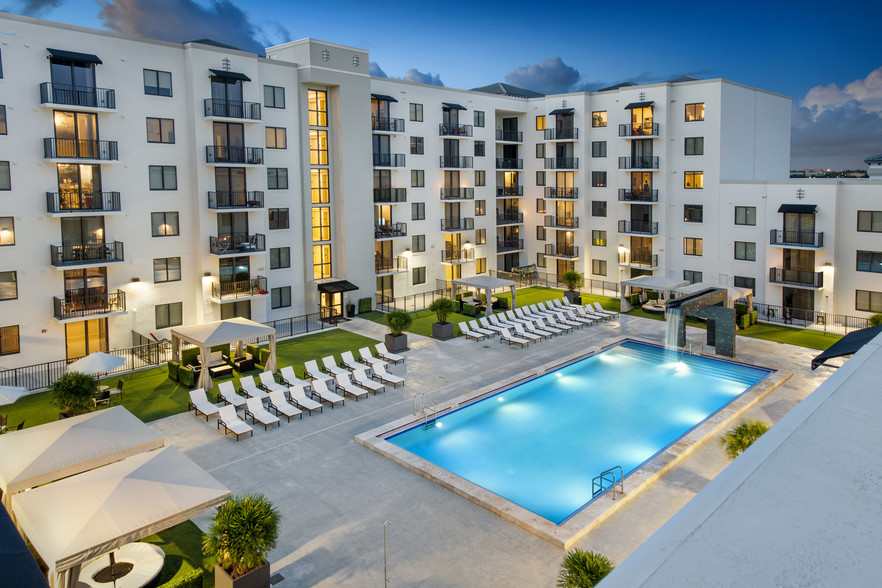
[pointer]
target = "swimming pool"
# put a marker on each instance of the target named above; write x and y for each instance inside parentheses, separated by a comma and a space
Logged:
(540, 444)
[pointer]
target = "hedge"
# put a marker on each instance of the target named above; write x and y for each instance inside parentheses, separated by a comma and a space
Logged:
(469, 310)
(652, 295)
(744, 321)
(264, 356)
(753, 317)
(502, 303)
(187, 377)
(364, 305)
(173, 369)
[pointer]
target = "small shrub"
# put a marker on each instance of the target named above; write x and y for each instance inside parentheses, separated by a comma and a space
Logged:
(173, 368)
(73, 393)
(741, 437)
(572, 280)
(252, 350)
(634, 299)
(364, 305)
(187, 376)
(745, 321)
(264, 356)
(398, 321)
(503, 303)
(188, 356)
(876, 320)
(469, 310)
(753, 317)
(741, 308)
(583, 569)
(652, 295)
(442, 307)
(192, 579)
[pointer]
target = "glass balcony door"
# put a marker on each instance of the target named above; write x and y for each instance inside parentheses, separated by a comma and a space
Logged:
(234, 269)
(76, 134)
(450, 117)
(85, 337)
(86, 288)
(79, 186)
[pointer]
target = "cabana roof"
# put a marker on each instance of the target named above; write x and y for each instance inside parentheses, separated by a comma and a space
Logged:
(734, 291)
(221, 332)
(656, 283)
(484, 282)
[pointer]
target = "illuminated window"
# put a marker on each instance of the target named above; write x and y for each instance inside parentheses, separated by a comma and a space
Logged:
(7, 230)
(321, 224)
(480, 207)
(540, 205)
(160, 130)
(321, 261)
(693, 180)
(164, 224)
(277, 138)
(692, 246)
(540, 123)
(9, 342)
(695, 112)
(598, 238)
(318, 108)
(481, 265)
(319, 186)
(598, 118)
(318, 147)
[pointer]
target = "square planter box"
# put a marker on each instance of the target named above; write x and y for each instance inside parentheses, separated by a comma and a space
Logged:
(259, 578)
(573, 297)
(396, 343)
(442, 331)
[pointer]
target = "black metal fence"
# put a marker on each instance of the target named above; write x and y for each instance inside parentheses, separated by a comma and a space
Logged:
(809, 319)
(598, 287)
(412, 302)
(297, 325)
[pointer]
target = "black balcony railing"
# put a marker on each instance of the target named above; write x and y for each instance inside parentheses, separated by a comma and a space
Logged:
(232, 109)
(77, 95)
(457, 224)
(509, 217)
(390, 230)
(457, 162)
(553, 250)
(390, 195)
(239, 289)
(509, 190)
(638, 259)
(504, 245)
(388, 265)
(457, 255)
(388, 160)
(225, 199)
(641, 195)
(638, 227)
(796, 238)
(511, 136)
(643, 162)
(389, 125)
(647, 130)
(561, 134)
(454, 130)
(457, 193)
(237, 243)
(809, 279)
(563, 222)
(80, 149)
(226, 154)
(77, 303)
(509, 163)
(552, 192)
(97, 202)
(86, 253)
(561, 163)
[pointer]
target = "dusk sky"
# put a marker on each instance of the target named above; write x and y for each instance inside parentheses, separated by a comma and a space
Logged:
(824, 55)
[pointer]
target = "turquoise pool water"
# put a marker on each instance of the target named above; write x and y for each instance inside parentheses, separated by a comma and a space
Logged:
(540, 443)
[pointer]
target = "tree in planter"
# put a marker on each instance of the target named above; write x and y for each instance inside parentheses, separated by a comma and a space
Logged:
(583, 569)
(876, 320)
(572, 280)
(741, 437)
(397, 321)
(73, 393)
(441, 329)
(243, 530)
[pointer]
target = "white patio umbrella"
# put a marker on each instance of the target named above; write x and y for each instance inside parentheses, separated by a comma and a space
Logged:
(97, 363)
(9, 394)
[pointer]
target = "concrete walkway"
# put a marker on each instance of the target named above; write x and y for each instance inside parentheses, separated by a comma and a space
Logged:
(334, 495)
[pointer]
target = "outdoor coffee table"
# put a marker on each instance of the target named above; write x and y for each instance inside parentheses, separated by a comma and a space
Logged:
(221, 370)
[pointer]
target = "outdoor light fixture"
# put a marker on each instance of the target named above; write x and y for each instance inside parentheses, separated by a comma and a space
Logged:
(206, 275)
(621, 248)
(136, 280)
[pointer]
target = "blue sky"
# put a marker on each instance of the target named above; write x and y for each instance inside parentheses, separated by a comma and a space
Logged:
(825, 56)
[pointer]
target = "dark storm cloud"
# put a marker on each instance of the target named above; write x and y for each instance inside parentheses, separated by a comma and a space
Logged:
(549, 76)
(35, 7)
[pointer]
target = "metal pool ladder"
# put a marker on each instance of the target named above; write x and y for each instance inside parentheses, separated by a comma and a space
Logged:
(427, 408)
(617, 483)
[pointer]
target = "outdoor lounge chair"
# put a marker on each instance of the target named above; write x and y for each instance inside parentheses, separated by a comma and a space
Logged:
(303, 402)
(320, 389)
(226, 416)
(486, 324)
(200, 404)
(313, 371)
(473, 324)
(349, 361)
(280, 404)
(381, 374)
(346, 385)
(588, 313)
(229, 396)
(559, 315)
(268, 383)
(385, 354)
(496, 321)
(368, 358)
(362, 380)
(257, 412)
(520, 331)
(531, 326)
(553, 318)
(249, 387)
(571, 315)
(505, 336)
(538, 322)
(542, 323)
(601, 310)
(289, 378)
(331, 367)
(470, 334)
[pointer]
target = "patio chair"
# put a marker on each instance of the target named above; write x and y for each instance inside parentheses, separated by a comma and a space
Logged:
(520, 331)
(229, 396)
(486, 324)
(346, 385)
(257, 412)
(505, 336)
(289, 378)
(588, 313)
(331, 367)
(349, 361)
(363, 381)
(473, 325)
(601, 310)
(298, 397)
(250, 387)
(368, 358)
(554, 319)
(543, 324)
(227, 417)
(313, 371)
(470, 334)
(280, 404)
(101, 398)
(118, 391)
(385, 354)
(571, 315)
(200, 404)
(381, 374)
(531, 326)
(559, 316)
(268, 383)
(320, 389)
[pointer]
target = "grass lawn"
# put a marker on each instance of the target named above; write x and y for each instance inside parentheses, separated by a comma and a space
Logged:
(422, 321)
(182, 545)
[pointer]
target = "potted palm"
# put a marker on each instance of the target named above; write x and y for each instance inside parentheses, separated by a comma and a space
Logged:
(742, 436)
(242, 532)
(441, 329)
(572, 280)
(583, 569)
(397, 321)
(73, 393)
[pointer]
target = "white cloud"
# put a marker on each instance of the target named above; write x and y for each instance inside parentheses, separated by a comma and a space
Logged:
(866, 92)
(549, 76)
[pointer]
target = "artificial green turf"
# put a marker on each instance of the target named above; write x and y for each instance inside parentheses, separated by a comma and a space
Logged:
(182, 545)
(422, 321)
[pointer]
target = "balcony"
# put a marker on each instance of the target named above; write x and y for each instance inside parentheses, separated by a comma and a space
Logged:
(225, 154)
(80, 149)
(390, 195)
(385, 124)
(456, 162)
(76, 304)
(510, 217)
(561, 193)
(509, 136)
(561, 163)
(81, 254)
(454, 130)
(457, 224)
(388, 160)
(799, 278)
(508, 245)
(239, 290)
(561, 134)
(644, 162)
(638, 195)
(390, 230)
(457, 193)
(225, 200)
(73, 203)
(84, 96)
(563, 251)
(220, 108)
(457, 255)
(390, 265)
(638, 259)
(799, 239)
(638, 131)
(509, 163)
(509, 191)
(638, 227)
(562, 222)
(237, 244)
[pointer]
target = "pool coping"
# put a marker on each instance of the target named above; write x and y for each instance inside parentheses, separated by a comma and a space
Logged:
(584, 520)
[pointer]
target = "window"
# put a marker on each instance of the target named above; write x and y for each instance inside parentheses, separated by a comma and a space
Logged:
(540, 150)
(163, 177)
(8, 285)
(598, 238)
(480, 148)
(480, 236)
(419, 275)
(693, 180)
(693, 213)
(864, 300)
(869, 261)
(280, 257)
(166, 269)
(598, 179)
(691, 276)
(2, 119)
(418, 243)
(416, 112)
(321, 223)
(169, 315)
(480, 177)
(692, 246)
(280, 297)
(5, 180)
(743, 282)
(481, 265)
(598, 149)
(598, 267)
(9, 343)
(318, 108)
(540, 233)
(157, 83)
(240, 308)
(278, 218)
(540, 123)
(7, 230)
(418, 211)
(273, 97)
(694, 146)
(321, 261)
(318, 147)
(540, 205)
(164, 224)
(318, 179)
(745, 215)
(598, 208)
(160, 130)
(417, 178)
(745, 251)
(695, 112)
(277, 178)
(540, 178)
(598, 118)
(540, 260)
(277, 138)
(416, 145)
(869, 221)
(479, 118)
(480, 207)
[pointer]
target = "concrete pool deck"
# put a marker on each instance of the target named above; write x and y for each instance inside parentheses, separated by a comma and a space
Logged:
(334, 495)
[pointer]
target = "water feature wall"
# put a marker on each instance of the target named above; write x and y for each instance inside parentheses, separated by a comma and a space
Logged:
(709, 304)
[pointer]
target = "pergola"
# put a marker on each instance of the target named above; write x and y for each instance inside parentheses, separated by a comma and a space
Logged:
(208, 335)
(488, 284)
(655, 283)
(734, 292)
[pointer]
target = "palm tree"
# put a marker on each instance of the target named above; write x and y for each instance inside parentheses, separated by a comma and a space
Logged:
(583, 569)
(243, 530)
(741, 437)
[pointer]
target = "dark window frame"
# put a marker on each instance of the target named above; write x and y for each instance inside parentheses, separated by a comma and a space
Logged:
(417, 178)
(271, 99)
(693, 244)
(598, 148)
(275, 135)
(415, 110)
(280, 291)
(14, 281)
(276, 258)
(3, 337)
(165, 269)
(746, 213)
(697, 144)
(157, 90)
(168, 306)
(694, 112)
(419, 276)
(418, 243)
(689, 211)
(873, 259)
(417, 146)
(597, 265)
(873, 214)
(166, 216)
(273, 172)
(417, 211)
(164, 169)
(162, 130)
(870, 294)
(278, 219)
(599, 208)
(599, 179)
(742, 248)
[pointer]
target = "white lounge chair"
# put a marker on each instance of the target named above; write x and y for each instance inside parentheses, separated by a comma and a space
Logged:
(368, 358)
(289, 378)
(385, 354)
(470, 334)
(200, 404)
(559, 315)
(346, 385)
(543, 324)
(313, 371)
(473, 324)
(571, 315)
(331, 367)
(268, 383)
(257, 412)
(227, 417)
(587, 313)
(538, 322)
(381, 374)
(303, 402)
(229, 396)
(250, 387)
(362, 380)
(600, 310)
(554, 319)
(349, 361)
(320, 389)
(520, 331)
(486, 324)
(280, 404)
(507, 337)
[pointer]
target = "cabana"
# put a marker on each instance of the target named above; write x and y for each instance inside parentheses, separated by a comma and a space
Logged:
(655, 283)
(734, 292)
(848, 345)
(231, 331)
(488, 284)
